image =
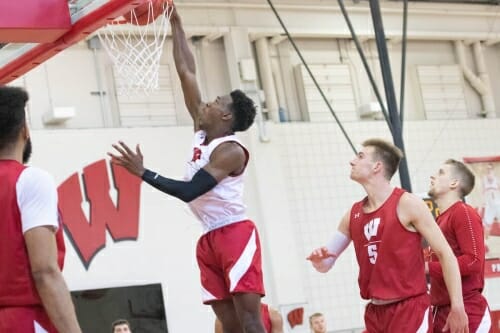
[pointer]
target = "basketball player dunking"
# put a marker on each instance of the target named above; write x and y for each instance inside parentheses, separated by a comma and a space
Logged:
(228, 253)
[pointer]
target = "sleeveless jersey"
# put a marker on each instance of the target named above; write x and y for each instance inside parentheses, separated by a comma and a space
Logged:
(17, 287)
(223, 204)
(390, 258)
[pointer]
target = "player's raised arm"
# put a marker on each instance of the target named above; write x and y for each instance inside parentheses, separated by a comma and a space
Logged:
(186, 68)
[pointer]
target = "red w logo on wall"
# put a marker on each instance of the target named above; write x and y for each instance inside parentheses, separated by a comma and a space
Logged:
(122, 221)
(295, 317)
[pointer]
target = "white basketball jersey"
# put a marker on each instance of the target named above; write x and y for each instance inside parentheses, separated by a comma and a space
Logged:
(223, 204)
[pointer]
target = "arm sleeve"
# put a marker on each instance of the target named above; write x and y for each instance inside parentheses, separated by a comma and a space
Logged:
(201, 183)
(468, 233)
(336, 245)
(37, 199)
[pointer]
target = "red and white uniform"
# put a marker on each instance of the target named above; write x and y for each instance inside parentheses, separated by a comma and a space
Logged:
(391, 267)
(28, 197)
(222, 205)
(461, 225)
(228, 253)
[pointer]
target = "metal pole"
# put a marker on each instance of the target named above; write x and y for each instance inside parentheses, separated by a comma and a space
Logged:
(365, 63)
(313, 78)
(403, 64)
(392, 106)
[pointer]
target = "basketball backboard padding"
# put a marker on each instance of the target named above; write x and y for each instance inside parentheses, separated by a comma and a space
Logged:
(33, 21)
(33, 55)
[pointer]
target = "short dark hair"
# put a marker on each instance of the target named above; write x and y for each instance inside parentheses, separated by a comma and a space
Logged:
(119, 322)
(389, 154)
(12, 113)
(464, 175)
(243, 109)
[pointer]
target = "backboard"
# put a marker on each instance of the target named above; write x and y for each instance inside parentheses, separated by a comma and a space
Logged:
(86, 17)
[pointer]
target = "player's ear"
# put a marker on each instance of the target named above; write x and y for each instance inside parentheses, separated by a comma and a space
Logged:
(227, 115)
(378, 166)
(25, 131)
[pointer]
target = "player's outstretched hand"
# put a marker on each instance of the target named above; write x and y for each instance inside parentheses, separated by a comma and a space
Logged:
(132, 161)
(457, 321)
(319, 254)
(321, 259)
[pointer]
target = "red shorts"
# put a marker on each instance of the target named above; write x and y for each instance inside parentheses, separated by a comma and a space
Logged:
(477, 311)
(411, 315)
(230, 262)
(31, 319)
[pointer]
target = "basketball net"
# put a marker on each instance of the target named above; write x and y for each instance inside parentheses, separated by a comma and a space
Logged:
(135, 50)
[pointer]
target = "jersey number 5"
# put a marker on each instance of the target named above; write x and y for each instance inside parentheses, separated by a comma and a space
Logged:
(372, 253)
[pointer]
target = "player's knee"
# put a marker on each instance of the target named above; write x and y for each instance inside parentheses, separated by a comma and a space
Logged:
(252, 323)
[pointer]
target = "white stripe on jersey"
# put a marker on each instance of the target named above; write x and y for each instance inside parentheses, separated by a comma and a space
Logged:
(424, 327)
(485, 325)
(39, 328)
(207, 295)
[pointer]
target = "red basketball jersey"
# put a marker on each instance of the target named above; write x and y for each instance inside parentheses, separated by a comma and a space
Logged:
(390, 258)
(17, 287)
(462, 227)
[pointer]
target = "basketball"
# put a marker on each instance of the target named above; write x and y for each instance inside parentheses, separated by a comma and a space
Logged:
(141, 15)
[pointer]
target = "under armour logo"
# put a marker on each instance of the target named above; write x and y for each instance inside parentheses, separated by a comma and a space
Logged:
(357, 215)
(371, 228)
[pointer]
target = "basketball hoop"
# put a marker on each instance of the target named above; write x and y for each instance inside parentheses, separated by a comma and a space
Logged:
(134, 42)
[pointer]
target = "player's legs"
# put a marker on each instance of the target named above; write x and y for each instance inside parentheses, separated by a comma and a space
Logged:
(230, 262)
(226, 313)
(247, 307)
(231, 274)
(240, 314)
(25, 320)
